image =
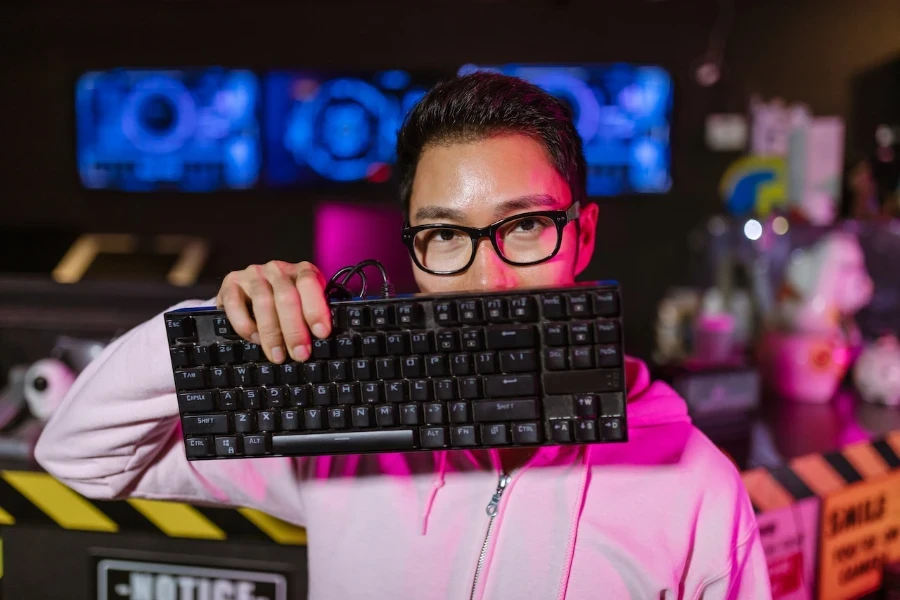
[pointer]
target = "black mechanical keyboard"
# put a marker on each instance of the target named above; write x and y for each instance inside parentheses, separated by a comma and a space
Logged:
(418, 372)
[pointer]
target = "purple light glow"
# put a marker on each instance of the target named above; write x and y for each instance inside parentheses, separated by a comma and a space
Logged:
(347, 233)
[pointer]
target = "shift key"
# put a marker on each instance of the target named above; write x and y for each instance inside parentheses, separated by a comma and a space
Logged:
(487, 411)
(508, 386)
(205, 424)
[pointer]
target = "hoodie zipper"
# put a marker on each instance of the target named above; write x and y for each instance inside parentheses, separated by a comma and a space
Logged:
(491, 512)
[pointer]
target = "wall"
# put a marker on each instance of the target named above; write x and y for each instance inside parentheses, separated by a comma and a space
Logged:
(803, 50)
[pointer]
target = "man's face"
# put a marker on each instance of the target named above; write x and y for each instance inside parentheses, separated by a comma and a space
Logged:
(475, 184)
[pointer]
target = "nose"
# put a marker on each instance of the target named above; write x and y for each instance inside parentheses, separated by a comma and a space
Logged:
(488, 271)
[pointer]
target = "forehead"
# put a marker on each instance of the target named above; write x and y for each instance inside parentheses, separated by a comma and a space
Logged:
(477, 178)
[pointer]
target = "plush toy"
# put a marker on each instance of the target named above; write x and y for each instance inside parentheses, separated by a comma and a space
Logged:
(877, 372)
(810, 339)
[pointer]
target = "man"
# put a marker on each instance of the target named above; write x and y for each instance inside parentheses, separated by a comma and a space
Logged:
(661, 516)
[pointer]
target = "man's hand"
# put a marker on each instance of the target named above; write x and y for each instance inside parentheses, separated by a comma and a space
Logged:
(288, 302)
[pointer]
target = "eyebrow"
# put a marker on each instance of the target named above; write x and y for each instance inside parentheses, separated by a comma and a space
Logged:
(531, 201)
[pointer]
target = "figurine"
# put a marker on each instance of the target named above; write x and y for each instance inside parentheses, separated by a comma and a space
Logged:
(810, 340)
(877, 372)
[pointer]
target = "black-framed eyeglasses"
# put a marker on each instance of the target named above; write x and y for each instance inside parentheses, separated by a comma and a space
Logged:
(521, 240)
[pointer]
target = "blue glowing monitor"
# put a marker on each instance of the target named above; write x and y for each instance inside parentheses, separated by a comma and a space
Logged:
(623, 114)
(328, 129)
(141, 130)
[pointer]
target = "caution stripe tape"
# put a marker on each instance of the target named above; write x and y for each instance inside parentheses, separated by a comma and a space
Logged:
(37, 498)
(819, 475)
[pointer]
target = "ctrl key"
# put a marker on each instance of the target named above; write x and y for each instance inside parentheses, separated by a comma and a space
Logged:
(198, 447)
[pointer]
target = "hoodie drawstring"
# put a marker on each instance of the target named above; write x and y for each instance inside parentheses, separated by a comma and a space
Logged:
(436, 484)
(573, 532)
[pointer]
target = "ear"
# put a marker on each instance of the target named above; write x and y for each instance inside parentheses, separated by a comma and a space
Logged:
(587, 235)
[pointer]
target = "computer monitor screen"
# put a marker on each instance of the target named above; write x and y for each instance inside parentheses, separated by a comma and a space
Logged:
(623, 114)
(327, 129)
(186, 130)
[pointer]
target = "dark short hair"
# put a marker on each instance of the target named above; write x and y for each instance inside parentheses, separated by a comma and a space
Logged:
(483, 104)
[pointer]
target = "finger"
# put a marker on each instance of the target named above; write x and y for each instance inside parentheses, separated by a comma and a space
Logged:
(311, 286)
(233, 299)
(290, 313)
(263, 301)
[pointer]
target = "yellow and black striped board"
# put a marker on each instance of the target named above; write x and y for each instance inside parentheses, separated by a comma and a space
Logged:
(36, 498)
(859, 518)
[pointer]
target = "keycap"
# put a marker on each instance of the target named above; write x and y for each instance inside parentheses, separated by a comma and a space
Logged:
(243, 375)
(323, 349)
(228, 399)
(290, 420)
(578, 305)
(357, 316)
(608, 356)
(445, 312)
(469, 311)
(398, 343)
(198, 447)
(337, 418)
(581, 357)
(180, 356)
(581, 332)
(561, 430)
(434, 413)
(252, 352)
(265, 420)
(494, 434)
(382, 316)
(501, 337)
(373, 344)
(496, 309)
(463, 435)
(433, 437)
(556, 334)
(219, 377)
(517, 361)
(386, 415)
(222, 327)
(347, 345)
(552, 306)
(447, 341)
(361, 416)
(606, 332)
(199, 401)
(586, 405)
(459, 412)
(506, 410)
(228, 352)
(556, 359)
(244, 422)
(422, 342)
(202, 354)
(351, 442)
(409, 315)
(193, 378)
(289, 373)
(265, 374)
(255, 445)
(586, 431)
(522, 308)
(606, 304)
(205, 424)
(179, 328)
(526, 433)
(313, 418)
(507, 386)
(612, 429)
(574, 382)
(252, 398)
(227, 446)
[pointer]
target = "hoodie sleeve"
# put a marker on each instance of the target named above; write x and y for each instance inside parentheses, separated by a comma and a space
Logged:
(117, 434)
(746, 578)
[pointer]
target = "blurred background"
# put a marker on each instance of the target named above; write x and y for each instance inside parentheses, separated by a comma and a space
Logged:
(744, 155)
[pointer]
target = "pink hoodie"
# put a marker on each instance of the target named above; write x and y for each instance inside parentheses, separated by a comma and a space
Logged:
(663, 516)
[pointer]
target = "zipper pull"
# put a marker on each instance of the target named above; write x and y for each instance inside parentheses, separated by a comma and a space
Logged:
(495, 499)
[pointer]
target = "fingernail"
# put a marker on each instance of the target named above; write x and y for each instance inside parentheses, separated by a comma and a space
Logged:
(301, 352)
(277, 354)
(318, 330)
(254, 337)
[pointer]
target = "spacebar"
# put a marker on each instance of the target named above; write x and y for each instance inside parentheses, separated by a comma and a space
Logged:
(340, 443)
(583, 382)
